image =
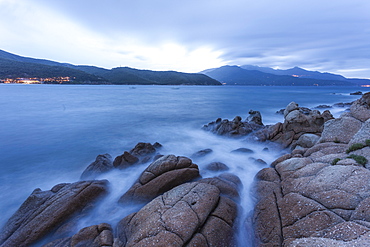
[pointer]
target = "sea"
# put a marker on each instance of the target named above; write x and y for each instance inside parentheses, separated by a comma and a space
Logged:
(50, 133)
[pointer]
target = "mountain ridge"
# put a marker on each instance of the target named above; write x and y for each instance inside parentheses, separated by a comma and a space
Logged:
(14, 66)
(265, 76)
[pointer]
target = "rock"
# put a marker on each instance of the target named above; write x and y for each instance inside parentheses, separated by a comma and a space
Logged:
(43, 211)
(360, 109)
(340, 130)
(255, 117)
(348, 104)
(228, 184)
(102, 164)
(217, 166)
(307, 140)
(141, 153)
(190, 214)
(362, 135)
(323, 107)
(202, 153)
(243, 150)
(236, 127)
(95, 236)
(356, 93)
(160, 176)
(125, 160)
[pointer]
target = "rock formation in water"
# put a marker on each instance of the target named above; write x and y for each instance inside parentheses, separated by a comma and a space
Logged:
(236, 127)
(319, 195)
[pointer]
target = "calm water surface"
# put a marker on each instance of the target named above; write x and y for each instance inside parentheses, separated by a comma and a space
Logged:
(50, 133)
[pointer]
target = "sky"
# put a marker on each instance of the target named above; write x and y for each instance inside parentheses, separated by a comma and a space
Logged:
(193, 35)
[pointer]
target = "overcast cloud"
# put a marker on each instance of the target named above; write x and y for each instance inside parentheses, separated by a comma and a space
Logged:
(190, 36)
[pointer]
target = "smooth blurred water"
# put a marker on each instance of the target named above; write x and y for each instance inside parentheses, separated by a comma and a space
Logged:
(50, 133)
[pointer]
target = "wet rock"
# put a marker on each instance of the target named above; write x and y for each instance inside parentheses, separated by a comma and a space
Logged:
(125, 160)
(190, 214)
(43, 211)
(202, 153)
(95, 236)
(356, 93)
(216, 167)
(243, 150)
(141, 153)
(348, 104)
(255, 117)
(236, 127)
(228, 184)
(323, 107)
(160, 176)
(102, 164)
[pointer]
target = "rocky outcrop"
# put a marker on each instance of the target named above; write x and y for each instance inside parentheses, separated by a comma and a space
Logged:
(141, 153)
(298, 121)
(236, 127)
(160, 176)
(318, 196)
(44, 211)
(192, 214)
(102, 164)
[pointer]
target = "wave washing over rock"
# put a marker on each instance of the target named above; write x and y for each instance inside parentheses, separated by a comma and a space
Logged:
(316, 195)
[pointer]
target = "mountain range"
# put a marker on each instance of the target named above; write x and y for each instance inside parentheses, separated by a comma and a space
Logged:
(265, 76)
(14, 66)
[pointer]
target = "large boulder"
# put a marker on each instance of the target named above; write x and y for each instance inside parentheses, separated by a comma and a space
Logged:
(102, 164)
(160, 176)
(44, 211)
(192, 214)
(340, 130)
(360, 109)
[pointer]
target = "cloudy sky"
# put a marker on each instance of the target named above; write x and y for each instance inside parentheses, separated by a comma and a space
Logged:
(192, 35)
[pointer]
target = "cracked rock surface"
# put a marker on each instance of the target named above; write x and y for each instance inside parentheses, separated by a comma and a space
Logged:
(307, 200)
(192, 214)
(43, 211)
(160, 176)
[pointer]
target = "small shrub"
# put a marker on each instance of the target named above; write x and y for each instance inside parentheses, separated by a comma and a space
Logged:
(335, 161)
(359, 159)
(367, 142)
(355, 147)
(336, 140)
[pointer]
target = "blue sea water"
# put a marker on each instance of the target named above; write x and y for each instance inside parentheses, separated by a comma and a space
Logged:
(50, 133)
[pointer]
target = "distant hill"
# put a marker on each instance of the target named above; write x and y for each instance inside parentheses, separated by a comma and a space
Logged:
(14, 66)
(298, 72)
(235, 75)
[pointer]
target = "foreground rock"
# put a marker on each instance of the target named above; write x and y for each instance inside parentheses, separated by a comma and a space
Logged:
(318, 196)
(44, 211)
(193, 214)
(162, 175)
